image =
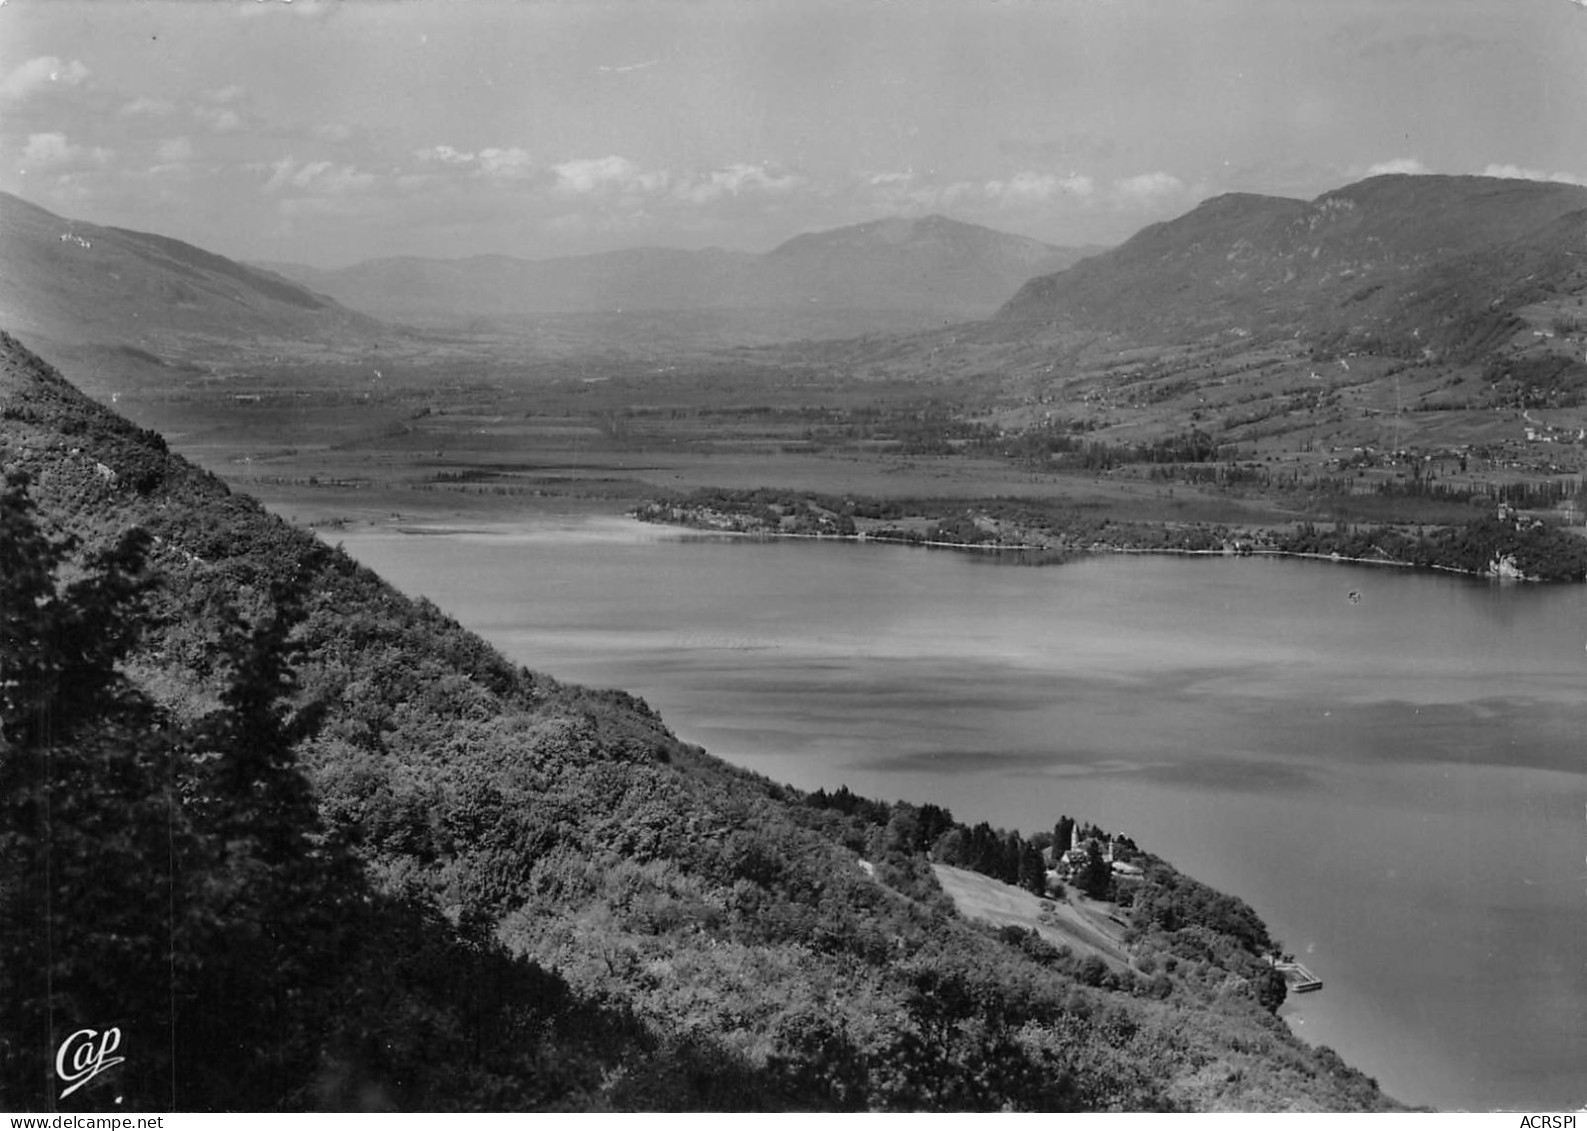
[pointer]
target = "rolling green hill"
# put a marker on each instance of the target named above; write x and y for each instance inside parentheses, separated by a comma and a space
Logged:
(313, 845)
(74, 281)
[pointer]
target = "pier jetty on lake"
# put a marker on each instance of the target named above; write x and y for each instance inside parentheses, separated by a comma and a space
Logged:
(1300, 979)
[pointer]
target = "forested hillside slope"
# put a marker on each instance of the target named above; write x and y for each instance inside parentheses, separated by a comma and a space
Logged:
(1422, 266)
(310, 844)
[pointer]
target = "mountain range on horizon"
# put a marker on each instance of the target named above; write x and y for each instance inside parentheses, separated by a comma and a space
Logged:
(1406, 263)
(934, 268)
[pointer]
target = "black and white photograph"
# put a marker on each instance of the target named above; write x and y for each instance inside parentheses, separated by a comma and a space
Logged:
(637, 556)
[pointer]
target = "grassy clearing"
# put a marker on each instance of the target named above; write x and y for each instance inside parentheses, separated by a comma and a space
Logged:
(1072, 921)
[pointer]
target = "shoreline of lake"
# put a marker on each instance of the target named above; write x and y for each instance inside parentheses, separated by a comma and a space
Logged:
(909, 676)
(1507, 545)
(1059, 557)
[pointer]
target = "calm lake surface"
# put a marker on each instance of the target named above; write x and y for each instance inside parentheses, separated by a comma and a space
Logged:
(1396, 784)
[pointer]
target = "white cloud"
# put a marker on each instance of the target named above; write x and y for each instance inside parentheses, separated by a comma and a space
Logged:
(1410, 166)
(910, 192)
(339, 180)
(220, 120)
(332, 131)
(733, 180)
(903, 190)
(1023, 189)
(53, 150)
(41, 73)
(319, 178)
(281, 173)
(225, 95)
(602, 175)
(444, 155)
(1516, 173)
(175, 149)
(417, 182)
(506, 164)
(498, 163)
(1027, 188)
(44, 150)
(147, 108)
(1078, 184)
(1147, 189)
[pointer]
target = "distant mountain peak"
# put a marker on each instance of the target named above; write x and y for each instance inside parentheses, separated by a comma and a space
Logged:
(892, 271)
(897, 231)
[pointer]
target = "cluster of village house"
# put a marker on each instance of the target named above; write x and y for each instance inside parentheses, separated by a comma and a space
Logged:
(1553, 434)
(1072, 860)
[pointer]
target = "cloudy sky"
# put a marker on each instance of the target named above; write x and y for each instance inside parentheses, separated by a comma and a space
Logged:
(329, 131)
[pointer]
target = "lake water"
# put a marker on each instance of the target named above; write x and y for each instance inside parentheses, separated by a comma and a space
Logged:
(1396, 783)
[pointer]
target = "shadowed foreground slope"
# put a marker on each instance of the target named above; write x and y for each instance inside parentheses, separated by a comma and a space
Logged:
(402, 873)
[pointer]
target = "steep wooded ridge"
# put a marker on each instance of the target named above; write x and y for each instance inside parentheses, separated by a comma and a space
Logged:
(937, 267)
(1399, 264)
(311, 844)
